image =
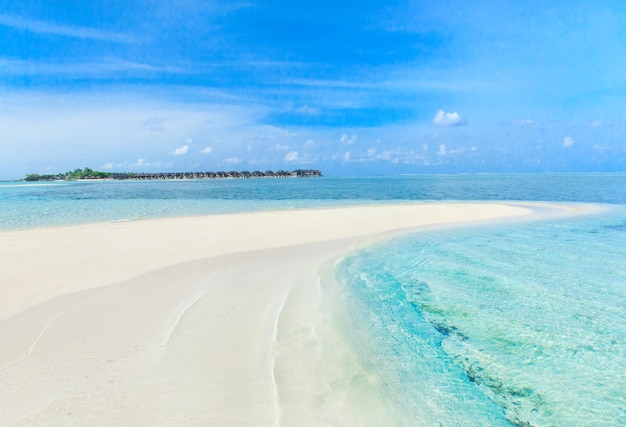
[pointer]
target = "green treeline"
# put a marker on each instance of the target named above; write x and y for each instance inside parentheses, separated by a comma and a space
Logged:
(86, 173)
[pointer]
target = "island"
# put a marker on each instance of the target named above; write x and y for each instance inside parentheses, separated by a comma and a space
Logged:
(90, 174)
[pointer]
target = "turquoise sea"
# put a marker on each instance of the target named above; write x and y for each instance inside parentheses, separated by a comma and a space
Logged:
(510, 324)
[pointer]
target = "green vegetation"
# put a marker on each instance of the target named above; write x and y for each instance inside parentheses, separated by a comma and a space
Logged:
(37, 177)
(86, 173)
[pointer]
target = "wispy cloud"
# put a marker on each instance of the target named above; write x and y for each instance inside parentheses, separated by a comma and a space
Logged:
(43, 27)
(111, 67)
(305, 109)
(232, 161)
(378, 80)
(139, 164)
(342, 84)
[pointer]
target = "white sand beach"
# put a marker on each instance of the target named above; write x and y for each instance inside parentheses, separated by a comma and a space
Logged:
(216, 320)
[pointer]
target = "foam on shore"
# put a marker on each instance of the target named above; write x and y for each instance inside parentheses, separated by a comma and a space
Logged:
(219, 320)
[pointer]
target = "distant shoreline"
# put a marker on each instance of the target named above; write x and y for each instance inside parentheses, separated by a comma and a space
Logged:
(89, 175)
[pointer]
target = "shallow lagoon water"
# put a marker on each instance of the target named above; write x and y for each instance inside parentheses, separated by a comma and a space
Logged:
(530, 316)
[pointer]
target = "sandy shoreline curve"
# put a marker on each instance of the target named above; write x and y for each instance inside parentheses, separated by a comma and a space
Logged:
(193, 321)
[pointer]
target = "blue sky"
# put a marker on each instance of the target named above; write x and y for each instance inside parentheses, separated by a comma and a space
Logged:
(351, 88)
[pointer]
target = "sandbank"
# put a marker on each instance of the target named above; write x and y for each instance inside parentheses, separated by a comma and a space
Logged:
(214, 320)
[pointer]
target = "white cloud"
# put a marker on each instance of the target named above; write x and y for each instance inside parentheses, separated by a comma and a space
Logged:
(371, 152)
(442, 150)
(448, 119)
(181, 150)
(596, 124)
(346, 139)
(292, 156)
(568, 141)
(207, 150)
(296, 157)
(279, 147)
(346, 156)
(108, 165)
(233, 160)
(310, 143)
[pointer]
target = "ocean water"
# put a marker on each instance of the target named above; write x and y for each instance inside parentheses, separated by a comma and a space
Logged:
(509, 324)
